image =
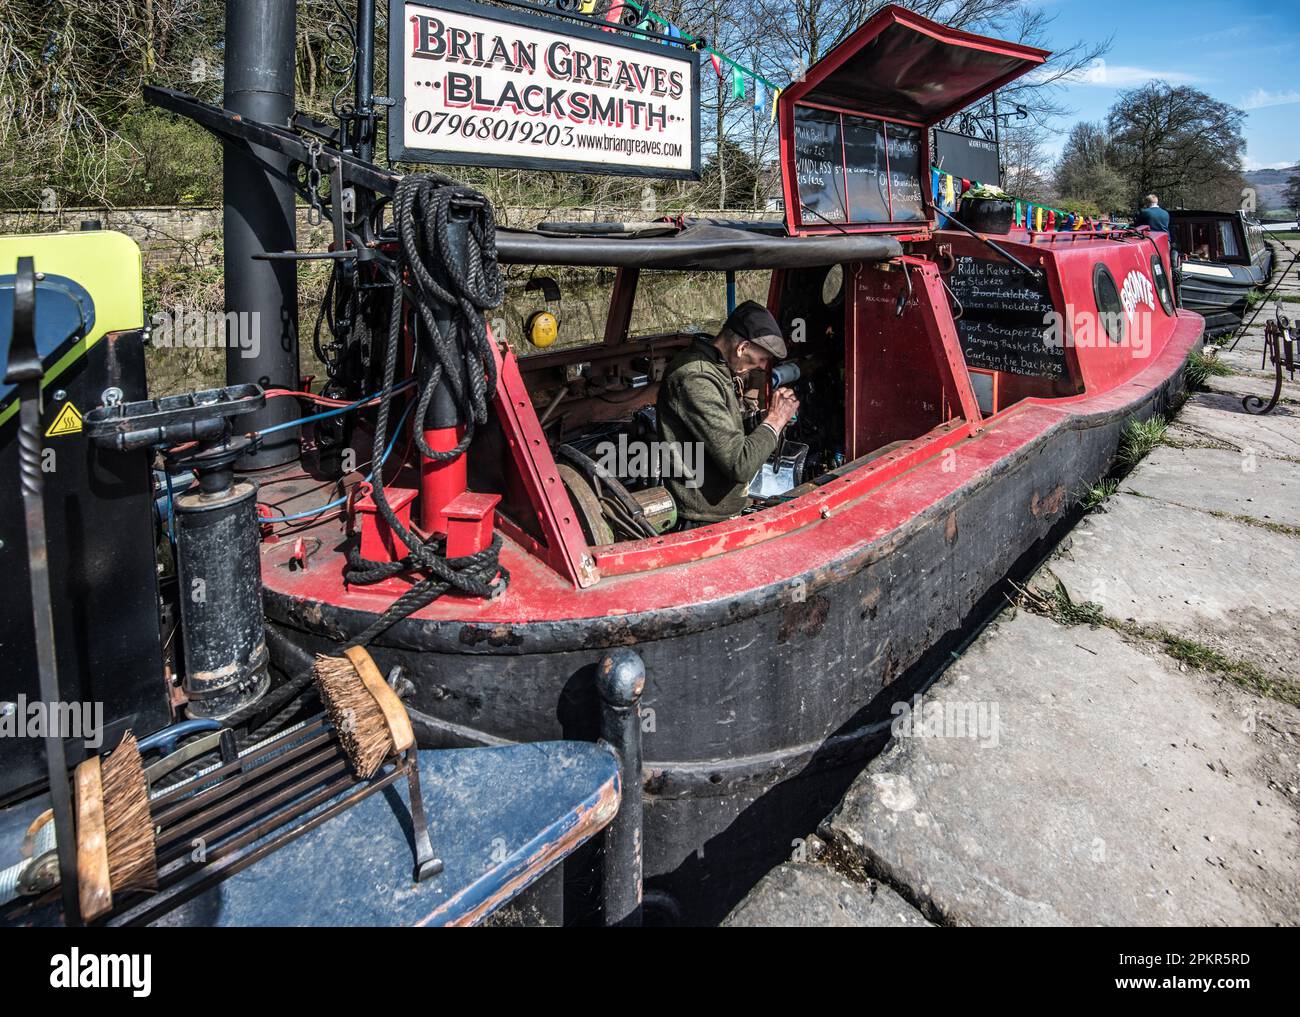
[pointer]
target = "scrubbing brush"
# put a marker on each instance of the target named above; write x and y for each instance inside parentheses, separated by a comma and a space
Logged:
(371, 721)
(115, 831)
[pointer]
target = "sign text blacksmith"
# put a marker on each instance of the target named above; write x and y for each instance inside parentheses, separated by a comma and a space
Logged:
(487, 86)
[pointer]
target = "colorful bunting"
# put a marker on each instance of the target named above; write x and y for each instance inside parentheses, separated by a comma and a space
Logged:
(652, 22)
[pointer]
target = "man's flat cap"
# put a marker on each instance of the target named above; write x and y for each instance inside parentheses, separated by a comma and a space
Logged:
(753, 321)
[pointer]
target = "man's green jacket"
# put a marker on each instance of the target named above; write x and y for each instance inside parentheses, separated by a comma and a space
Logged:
(698, 403)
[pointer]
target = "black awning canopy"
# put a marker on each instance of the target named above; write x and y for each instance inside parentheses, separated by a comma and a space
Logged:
(702, 247)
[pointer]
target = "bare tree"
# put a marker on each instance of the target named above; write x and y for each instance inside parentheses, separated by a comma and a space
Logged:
(1179, 143)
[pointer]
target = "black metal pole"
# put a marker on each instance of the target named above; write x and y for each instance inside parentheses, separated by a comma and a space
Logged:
(259, 217)
(365, 148)
(997, 139)
(26, 371)
(621, 680)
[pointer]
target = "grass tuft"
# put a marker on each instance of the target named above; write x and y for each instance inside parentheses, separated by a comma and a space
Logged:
(1138, 439)
(1098, 493)
(1200, 368)
(1058, 605)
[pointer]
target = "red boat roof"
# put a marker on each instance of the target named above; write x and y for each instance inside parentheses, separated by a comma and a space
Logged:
(902, 66)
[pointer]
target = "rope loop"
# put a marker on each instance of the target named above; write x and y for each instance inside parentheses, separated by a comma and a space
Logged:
(450, 292)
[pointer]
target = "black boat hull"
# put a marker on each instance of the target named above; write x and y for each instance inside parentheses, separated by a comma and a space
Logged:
(758, 711)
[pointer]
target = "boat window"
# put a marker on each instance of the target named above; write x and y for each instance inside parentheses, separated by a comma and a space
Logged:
(1202, 245)
(671, 301)
(575, 298)
(1228, 241)
(1162, 284)
(856, 169)
(1109, 306)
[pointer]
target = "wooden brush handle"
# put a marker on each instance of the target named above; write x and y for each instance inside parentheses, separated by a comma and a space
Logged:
(93, 887)
(399, 723)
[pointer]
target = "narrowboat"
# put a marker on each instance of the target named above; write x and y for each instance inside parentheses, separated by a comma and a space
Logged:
(1223, 256)
(958, 393)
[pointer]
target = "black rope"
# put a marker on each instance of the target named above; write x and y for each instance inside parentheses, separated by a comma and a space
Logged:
(461, 354)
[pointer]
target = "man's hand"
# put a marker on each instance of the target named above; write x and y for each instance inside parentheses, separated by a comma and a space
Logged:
(784, 407)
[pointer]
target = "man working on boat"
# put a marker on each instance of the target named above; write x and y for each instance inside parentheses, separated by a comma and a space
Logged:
(699, 401)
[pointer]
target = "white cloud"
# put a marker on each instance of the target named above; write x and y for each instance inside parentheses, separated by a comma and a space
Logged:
(1249, 164)
(1262, 97)
(1106, 75)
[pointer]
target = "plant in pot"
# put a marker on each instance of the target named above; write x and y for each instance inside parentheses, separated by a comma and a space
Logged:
(986, 209)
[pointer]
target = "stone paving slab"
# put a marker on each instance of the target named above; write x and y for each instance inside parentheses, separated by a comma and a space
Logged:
(811, 895)
(1233, 587)
(1107, 783)
(1120, 791)
(1221, 480)
(1257, 384)
(1215, 418)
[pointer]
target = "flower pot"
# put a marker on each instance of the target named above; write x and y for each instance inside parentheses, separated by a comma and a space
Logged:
(986, 215)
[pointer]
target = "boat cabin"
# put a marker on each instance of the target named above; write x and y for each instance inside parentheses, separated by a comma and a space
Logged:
(908, 339)
(1223, 257)
(1226, 237)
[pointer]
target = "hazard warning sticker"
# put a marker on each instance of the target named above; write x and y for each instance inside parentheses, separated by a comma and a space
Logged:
(67, 422)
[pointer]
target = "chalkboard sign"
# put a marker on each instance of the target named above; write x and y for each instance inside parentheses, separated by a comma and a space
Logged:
(854, 169)
(1003, 326)
(864, 159)
(1015, 349)
(966, 157)
(994, 284)
(905, 172)
(819, 165)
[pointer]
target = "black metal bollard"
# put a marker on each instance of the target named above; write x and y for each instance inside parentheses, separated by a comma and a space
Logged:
(621, 680)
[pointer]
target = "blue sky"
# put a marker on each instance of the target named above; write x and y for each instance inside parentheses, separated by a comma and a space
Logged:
(1246, 53)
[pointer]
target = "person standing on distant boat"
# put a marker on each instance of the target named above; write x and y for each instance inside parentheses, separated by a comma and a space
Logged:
(1153, 215)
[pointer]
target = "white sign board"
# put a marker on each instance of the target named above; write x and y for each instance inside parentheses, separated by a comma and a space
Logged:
(488, 86)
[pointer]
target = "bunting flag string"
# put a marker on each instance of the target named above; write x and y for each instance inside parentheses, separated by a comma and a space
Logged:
(652, 22)
(946, 190)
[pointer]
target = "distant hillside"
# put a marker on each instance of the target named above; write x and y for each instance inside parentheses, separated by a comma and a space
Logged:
(1269, 184)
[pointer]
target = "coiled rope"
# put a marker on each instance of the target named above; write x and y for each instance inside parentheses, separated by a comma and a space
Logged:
(461, 355)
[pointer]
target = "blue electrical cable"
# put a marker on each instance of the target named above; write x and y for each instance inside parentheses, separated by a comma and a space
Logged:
(397, 432)
(336, 410)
